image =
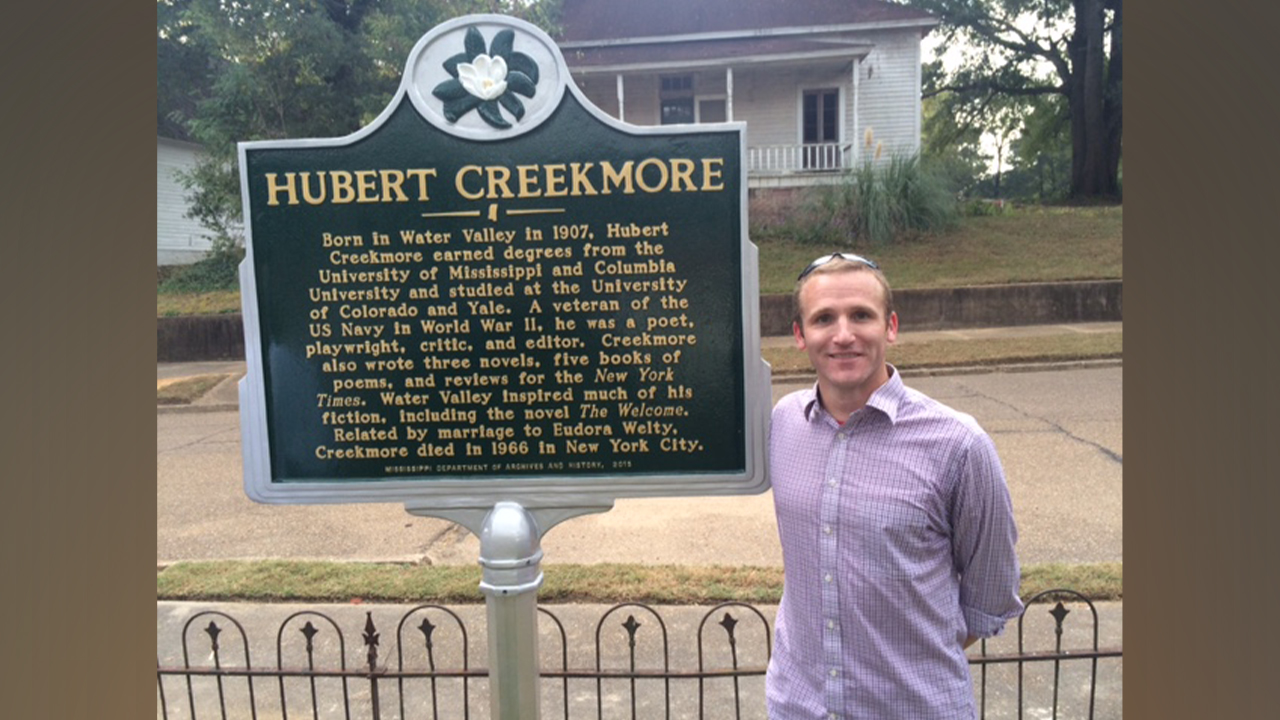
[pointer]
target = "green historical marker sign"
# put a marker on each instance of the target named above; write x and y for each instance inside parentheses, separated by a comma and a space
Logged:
(496, 290)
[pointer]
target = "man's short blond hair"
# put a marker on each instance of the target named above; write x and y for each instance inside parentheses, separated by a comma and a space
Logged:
(840, 265)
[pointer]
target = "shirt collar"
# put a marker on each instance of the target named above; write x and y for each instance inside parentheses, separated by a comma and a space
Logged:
(887, 398)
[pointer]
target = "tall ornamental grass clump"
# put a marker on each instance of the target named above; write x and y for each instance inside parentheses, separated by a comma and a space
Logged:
(879, 203)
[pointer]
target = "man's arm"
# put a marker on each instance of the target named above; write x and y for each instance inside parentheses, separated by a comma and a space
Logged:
(983, 543)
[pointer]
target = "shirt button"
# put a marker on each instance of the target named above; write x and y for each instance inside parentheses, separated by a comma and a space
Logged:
(834, 672)
(827, 577)
(831, 624)
(826, 529)
(831, 716)
(831, 482)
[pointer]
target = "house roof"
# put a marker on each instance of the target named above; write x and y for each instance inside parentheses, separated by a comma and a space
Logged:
(604, 22)
(708, 53)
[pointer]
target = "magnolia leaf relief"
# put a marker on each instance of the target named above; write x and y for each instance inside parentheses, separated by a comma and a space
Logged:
(487, 80)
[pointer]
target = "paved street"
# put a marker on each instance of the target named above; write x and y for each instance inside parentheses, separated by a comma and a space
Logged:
(1059, 434)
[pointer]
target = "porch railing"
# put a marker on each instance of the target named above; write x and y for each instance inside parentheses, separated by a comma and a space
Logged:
(809, 157)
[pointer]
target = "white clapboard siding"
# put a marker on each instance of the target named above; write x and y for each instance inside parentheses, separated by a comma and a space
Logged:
(890, 93)
(767, 97)
(179, 239)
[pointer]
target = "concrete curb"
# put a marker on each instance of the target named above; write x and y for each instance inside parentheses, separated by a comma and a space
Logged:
(222, 397)
(193, 408)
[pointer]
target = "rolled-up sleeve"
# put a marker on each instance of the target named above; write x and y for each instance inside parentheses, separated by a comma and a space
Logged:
(983, 542)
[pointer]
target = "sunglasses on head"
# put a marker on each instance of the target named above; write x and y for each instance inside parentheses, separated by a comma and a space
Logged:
(828, 258)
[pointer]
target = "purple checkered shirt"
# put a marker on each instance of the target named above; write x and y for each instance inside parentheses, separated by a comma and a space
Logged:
(898, 543)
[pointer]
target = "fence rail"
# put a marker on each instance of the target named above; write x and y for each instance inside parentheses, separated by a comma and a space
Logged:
(619, 666)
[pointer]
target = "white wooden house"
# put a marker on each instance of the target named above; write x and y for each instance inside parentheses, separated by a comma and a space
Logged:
(811, 78)
(179, 239)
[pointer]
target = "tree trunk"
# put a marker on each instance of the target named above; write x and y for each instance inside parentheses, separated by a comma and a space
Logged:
(1112, 105)
(1089, 176)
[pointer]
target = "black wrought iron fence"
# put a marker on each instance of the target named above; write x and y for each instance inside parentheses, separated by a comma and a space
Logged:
(619, 666)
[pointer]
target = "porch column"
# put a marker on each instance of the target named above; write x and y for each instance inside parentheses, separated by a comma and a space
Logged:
(857, 131)
(728, 94)
(622, 115)
(919, 110)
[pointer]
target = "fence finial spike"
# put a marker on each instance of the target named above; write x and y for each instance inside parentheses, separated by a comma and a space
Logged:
(632, 625)
(371, 641)
(1059, 612)
(370, 632)
(426, 628)
(728, 623)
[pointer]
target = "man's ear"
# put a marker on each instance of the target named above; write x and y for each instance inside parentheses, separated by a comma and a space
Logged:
(892, 335)
(798, 332)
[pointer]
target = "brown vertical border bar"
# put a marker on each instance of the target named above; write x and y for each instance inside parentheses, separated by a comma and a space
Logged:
(1200, 371)
(78, 491)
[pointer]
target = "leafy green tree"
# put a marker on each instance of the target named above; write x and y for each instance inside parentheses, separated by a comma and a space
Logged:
(276, 69)
(1009, 40)
(1042, 153)
(953, 146)
(183, 71)
(953, 132)
(234, 70)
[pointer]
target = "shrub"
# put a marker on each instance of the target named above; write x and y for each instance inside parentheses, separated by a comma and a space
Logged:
(219, 270)
(876, 204)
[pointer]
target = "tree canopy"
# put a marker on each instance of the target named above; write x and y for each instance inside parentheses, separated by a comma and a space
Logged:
(238, 70)
(1013, 56)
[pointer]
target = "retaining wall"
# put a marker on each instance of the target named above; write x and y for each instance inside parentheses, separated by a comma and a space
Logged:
(221, 337)
(982, 306)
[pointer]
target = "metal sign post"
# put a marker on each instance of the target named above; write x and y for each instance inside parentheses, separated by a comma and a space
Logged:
(502, 307)
(511, 555)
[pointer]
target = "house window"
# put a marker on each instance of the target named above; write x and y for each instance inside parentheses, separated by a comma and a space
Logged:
(677, 111)
(676, 99)
(821, 128)
(677, 84)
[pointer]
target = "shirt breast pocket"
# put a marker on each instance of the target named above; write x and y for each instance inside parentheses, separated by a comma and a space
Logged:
(896, 538)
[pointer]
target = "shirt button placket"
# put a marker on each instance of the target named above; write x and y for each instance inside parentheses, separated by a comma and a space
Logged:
(829, 564)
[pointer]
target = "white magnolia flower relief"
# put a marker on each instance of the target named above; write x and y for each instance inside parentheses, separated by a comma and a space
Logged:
(484, 77)
(487, 80)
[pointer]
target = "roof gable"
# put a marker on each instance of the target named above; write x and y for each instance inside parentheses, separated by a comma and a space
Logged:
(613, 20)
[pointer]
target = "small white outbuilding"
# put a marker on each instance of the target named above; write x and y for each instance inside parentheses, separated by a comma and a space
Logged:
(179, 239)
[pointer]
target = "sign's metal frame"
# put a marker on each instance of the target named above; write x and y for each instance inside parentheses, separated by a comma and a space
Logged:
(509, 514)
(471, 495)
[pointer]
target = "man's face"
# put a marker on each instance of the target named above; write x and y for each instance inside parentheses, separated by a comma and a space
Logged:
(844, 330)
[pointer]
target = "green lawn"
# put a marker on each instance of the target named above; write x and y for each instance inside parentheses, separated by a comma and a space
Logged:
(313, 581)
(1026, 244)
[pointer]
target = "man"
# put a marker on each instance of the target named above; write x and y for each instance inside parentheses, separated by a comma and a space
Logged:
(896, 526)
